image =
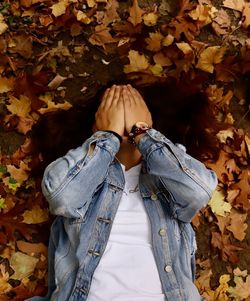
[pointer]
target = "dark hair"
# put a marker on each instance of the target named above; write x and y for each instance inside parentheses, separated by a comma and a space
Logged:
(183, 116)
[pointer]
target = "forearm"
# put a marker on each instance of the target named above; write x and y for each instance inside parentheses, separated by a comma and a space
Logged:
(189, 182)
(70, 181)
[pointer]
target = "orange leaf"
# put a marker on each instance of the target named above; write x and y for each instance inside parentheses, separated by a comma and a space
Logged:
(237, 224)
(209, 57)
(234, 4)
(154, 41)
(135, 13)
(138, 62)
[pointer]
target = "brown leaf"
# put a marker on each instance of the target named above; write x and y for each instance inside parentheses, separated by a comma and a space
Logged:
(135, 13)
(181, 26)
(20, 107)
(28, 3)
(161, 59)
(242, 201)
(138, 62)
(22, 45)
(101, 36)
(234, 4)
(154, 41)
(6, 84)
(28, 248)
(227, 250)
(237, 224)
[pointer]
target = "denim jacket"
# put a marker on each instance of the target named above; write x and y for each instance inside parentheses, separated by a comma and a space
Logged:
(84, 189)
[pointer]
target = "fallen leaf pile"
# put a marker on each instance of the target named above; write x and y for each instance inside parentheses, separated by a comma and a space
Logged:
(57, 53)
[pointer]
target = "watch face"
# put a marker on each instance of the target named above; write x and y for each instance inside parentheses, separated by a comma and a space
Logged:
(141, 124)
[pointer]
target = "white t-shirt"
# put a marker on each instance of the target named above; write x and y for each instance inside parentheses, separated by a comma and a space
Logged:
(127, 270)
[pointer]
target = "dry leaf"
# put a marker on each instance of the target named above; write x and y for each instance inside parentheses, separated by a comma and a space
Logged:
(51, 106)
(23, 265)
(237, 224)
(217, 203)
(185, 48)
(20, 107)
(59, 8)
(223, 135)
(234, 4)
(36, 215)
(242, 289)
(202, 14)
(135, 13)
(138, 62)
(238, 272)
(28, 248)
(156, 69)
(209, 57)
(82, 17)
(3, 25)
(168, 40)
(154, 41)
(56, 81)
(243, 185)
(20, 174)
(246, 15)
(46, 20)
(28, 3)
(150, 19)
(6, 84)
(161, 59)
(101, 36)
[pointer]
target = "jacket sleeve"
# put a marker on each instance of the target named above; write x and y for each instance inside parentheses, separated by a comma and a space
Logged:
(189, 184)
(70, 181)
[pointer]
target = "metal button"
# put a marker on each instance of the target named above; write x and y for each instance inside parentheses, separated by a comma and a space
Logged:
(162, 232)
(168, 268)
(154, 197)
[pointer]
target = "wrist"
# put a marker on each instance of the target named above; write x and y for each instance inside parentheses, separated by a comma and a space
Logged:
(138, 138)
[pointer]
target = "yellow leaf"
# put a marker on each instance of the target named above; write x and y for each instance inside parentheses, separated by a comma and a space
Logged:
(209, 57)
(150, 19)
(91, 3)
(20, 107)
(224, 134)
(3, 25)
(82, 17)
(156, 69)
(161, 59)
(234, 4)
(168, 40)
(154, 41)
(6, 84)
(135, 13)
(59, 8)
(238, 272)
(138, 62)
(184, 47)
(36, 215)
(51, 106)
(242, 289)
(4, 277)
(19, 174)
(220, 292)
(23, 265)
(217, 203)
(202, 14)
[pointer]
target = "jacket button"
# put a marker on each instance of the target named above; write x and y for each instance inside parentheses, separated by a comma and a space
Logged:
(168, 268)
(162, 232)
(154, 197)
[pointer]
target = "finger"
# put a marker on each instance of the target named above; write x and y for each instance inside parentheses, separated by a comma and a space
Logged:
(104, 98)
(109, 98)
(116, 97)
(129, 100)
(135, 94)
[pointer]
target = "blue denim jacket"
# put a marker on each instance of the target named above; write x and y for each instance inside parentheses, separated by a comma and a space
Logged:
(84, 190)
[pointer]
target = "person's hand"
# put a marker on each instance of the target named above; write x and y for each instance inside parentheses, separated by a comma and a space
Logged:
(110, 114)
(135, 108)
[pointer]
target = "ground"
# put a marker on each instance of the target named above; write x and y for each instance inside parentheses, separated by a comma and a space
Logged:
(55, 54)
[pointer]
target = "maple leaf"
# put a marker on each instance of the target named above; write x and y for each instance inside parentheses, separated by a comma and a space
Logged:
(202, 14)
(6, 84)
(101, 36)
(51, 106)
(219, 166)
(23, 265)
(217, 203)
(150, 19)
(237, 224)
(242, 200)
(168, 40)
(3, 25)
(59, 8)
(227, 250)
(209, 57)
(20, 107)
(223, 135)
(138, 62)
(181, 25)
(135, 13)
(36, 215)
(242, 289)
(161, 59)
(22, 44)
(234, 4)
(154, 41)
(82, 17)
(246, 15)
(20, 174)
(185, 48)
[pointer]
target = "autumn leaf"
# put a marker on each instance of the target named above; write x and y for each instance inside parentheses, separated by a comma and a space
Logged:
(23, 265)
(154, 41)
(6, 84)
(202, 14)
(242, 289)
(101, 36)
(243, 185)
(150, 19)
(234, 4)
(223, 135)
(217, 203)
(237, 224)
(161, 59)
(20, 174)
(135, 13)
(246, 15)
(59, 8)
(28, 3)
(210, 57)
(35, 216)
(3, 25)
(82, 17)
(185, 48)
(19, 107)
(52, 106)
(4, 277)
(138, 62)
(156, 69)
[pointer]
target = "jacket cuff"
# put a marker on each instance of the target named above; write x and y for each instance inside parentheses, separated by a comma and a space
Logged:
(107, 140)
